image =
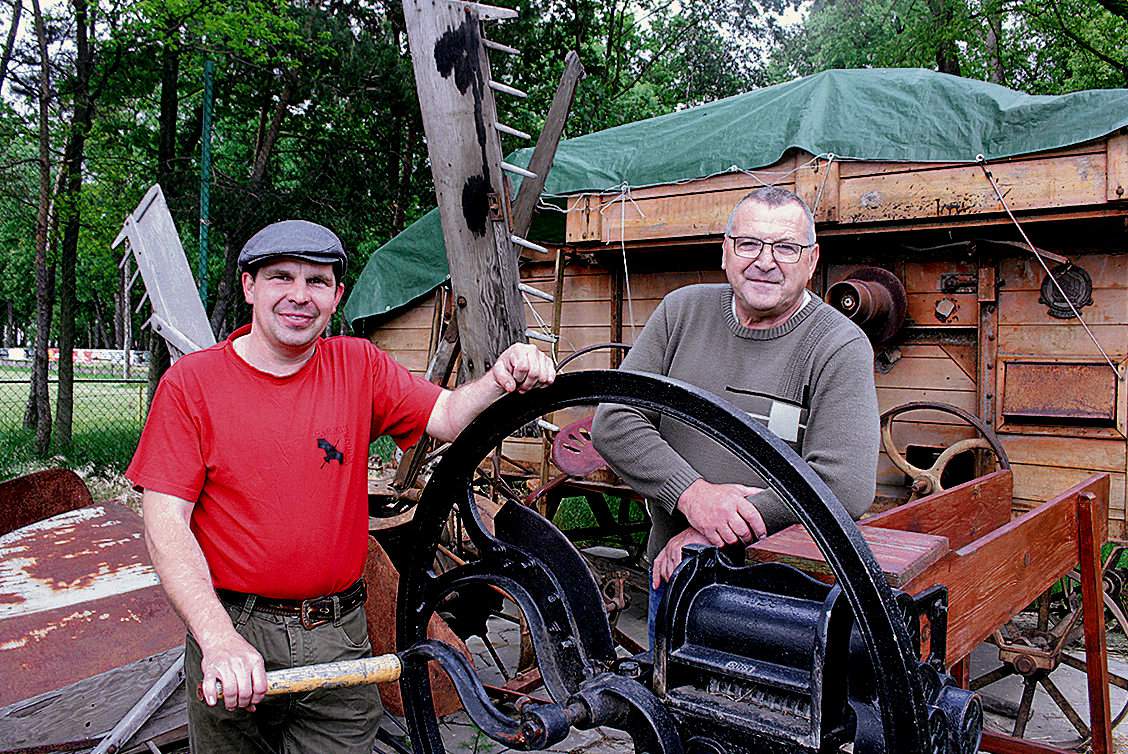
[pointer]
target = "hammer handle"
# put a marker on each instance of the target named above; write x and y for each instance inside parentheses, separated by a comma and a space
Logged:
(329, 675)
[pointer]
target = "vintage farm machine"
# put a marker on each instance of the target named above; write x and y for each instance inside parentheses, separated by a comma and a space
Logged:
(750, 657)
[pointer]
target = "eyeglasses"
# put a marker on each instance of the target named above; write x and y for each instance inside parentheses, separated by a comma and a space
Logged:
(787, 252)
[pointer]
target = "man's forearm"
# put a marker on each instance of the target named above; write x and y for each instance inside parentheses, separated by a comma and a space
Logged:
(456, 408)
(519, 368)
(184, 573)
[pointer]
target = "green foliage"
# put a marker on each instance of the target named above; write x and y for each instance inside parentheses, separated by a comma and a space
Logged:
(1039, 47)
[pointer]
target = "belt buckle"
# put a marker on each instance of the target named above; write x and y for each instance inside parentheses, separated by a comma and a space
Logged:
(308, 621)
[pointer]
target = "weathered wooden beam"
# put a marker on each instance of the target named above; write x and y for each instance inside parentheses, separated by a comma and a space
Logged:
(453, 80)
(530, 190)
(438, 372)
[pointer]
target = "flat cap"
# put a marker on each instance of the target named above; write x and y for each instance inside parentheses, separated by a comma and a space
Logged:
(295, 238)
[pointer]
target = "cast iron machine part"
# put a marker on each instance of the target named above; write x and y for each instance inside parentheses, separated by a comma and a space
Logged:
(897, 704)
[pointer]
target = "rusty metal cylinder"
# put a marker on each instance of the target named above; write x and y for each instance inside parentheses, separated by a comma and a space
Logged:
(861, 301)
(874, 298)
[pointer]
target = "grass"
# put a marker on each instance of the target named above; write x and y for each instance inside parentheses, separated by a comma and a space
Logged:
(106, 423)
(574, 513)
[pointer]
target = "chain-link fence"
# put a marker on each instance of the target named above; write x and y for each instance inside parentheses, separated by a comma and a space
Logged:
(109, 410)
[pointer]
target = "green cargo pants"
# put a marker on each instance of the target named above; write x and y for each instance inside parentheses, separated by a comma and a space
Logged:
(336, 721)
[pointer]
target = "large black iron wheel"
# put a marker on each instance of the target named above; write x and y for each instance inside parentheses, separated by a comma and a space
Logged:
(555, 590)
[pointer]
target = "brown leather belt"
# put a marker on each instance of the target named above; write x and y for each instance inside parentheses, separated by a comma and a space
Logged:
(313, 612)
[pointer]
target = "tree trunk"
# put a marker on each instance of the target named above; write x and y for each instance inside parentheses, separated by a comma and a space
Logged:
(996, 73)
(947, 57)
(159, 359)
(71, 203)
(229, 286)
(10, 44)
(40, 407)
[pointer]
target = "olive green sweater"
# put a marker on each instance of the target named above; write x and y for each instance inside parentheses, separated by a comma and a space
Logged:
(810, 380)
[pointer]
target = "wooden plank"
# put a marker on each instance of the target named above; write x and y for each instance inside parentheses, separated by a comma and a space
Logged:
(692, 215)
(1091, 516)
(416, 316)
(978, 222)
(961, 514)
(1042, 482)
(1001, 743)
(405, 339)
(1116, 156)
(854, 169)
(1110, 306)
(928, 373)
(999, 574)
(89, 709)
(902, 555)
(578, 286)
(655, 285)
(1023, 273)
(541, 161)
(963, 191)
(923, 309)
(575, 338)
(1063, 338)
(890, 397)
(1067, 452)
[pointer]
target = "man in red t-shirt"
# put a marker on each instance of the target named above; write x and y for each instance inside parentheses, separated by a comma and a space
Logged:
(254, 469)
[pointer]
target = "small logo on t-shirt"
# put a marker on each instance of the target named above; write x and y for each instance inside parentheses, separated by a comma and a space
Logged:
(331, 452)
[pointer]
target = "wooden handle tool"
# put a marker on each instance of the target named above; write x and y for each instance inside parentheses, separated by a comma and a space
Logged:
(329, 675)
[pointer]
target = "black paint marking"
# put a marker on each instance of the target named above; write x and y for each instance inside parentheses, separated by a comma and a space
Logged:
(476, 203)
(457, 55)
(457, 52)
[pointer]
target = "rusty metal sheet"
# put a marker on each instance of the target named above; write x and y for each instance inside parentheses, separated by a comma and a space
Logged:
(39, 495)
(1047, 392)
(78, 596)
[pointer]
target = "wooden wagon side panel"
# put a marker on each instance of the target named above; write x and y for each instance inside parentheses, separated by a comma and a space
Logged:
(408, 336)
(1090, 179)
(1052, 457)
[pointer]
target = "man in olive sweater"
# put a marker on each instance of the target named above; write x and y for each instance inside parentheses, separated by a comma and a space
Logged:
(765, 344)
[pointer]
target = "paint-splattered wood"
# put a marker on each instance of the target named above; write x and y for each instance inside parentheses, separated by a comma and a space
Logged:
(902, 555)
(452, 77)
(961, 514)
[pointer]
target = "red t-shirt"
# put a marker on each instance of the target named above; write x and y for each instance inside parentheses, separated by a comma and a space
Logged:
(278, 466)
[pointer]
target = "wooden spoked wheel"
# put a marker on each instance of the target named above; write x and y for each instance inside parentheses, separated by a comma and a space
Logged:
(928, 481)
(1033, 648)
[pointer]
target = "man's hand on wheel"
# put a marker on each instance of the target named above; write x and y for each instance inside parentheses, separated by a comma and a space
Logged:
(522, 367)
(722, 513)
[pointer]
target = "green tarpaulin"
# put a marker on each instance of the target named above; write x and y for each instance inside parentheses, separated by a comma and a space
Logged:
(899, 115)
